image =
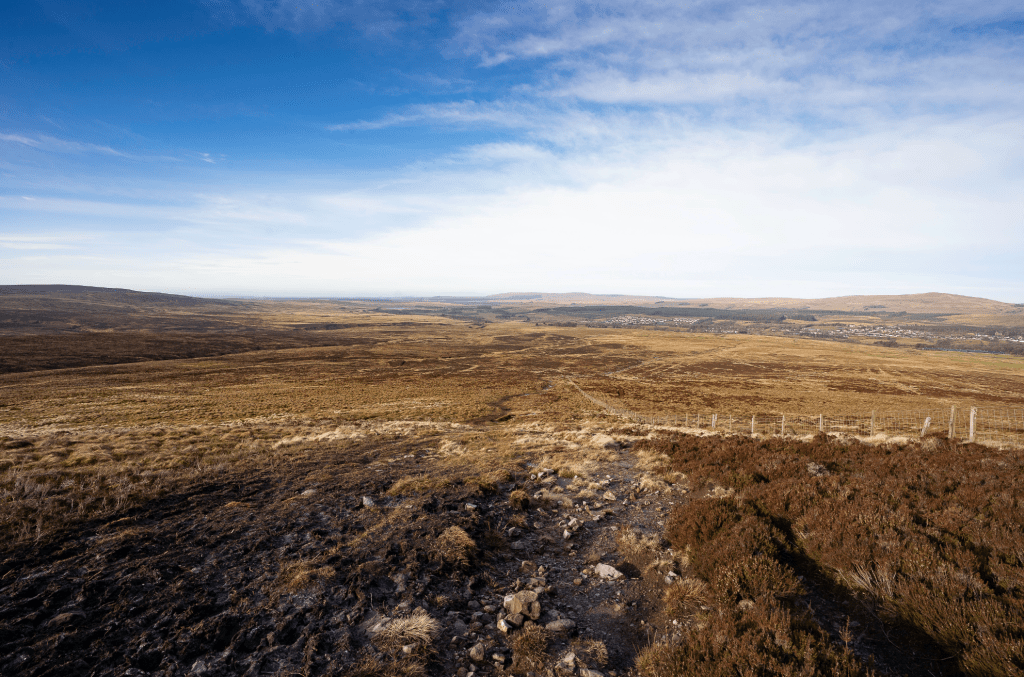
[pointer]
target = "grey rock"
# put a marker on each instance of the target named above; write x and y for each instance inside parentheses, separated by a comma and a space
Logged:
(525, 603)
(607, 571)
(477, 652)
(562, 625)
(368, 502)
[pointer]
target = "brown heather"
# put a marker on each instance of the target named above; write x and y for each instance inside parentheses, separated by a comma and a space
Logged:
(926, 538)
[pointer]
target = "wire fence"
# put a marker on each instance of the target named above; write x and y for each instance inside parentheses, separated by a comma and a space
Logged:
(1001, 426)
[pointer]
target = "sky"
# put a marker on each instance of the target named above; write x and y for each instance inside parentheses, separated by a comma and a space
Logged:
(425, 147)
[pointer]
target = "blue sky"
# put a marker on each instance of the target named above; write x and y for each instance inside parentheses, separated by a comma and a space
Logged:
(278, 147)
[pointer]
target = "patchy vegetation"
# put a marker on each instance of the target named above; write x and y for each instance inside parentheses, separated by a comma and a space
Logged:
(436, 498)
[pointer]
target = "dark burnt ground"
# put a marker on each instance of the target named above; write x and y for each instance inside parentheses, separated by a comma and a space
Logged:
(63, 351)
(283, 570)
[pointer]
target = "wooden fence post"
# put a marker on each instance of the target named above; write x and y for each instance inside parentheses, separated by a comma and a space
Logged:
(952, 422)
(974, 416)
(714, 421)
(924, 428)
(872, 423)
(753, 423)
(821, 423)
(783, 425)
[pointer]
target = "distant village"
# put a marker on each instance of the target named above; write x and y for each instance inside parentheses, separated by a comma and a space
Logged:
(885, 335)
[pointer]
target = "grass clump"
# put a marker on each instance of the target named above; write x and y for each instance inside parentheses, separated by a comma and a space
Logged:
(529, 649)
(455, 547)
(418, 629)
(519, 499)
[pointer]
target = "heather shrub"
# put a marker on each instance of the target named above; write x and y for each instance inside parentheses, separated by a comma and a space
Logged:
(927, 536)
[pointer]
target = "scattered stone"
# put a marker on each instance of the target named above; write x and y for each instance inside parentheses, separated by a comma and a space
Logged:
(586, 672)
(608, 496)
(567, 534)
(368, 502)
(607, 571)
(577, 581)
(525, 603)
(309, 492)
(505, 626)
(568, 662)
(562, 625)
(477, 652)
(471, 507)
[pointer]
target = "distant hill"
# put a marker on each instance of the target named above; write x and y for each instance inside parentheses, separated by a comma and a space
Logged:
(71, 293)
(933, 302)
(39, 308)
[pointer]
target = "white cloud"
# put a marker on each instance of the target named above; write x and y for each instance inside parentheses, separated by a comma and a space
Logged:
(697, 212)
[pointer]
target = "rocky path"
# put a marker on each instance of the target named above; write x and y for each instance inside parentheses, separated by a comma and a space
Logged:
(297, 568)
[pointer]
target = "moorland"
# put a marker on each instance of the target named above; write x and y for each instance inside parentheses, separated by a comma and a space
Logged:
(423, 487)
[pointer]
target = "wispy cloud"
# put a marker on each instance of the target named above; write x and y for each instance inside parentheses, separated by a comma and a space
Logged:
(23, 140)
(466, 112)
(771, 57)
(379, 18)
(32, 242)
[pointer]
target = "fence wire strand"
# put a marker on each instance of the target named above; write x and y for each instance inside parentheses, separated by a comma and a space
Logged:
(1003, 426)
